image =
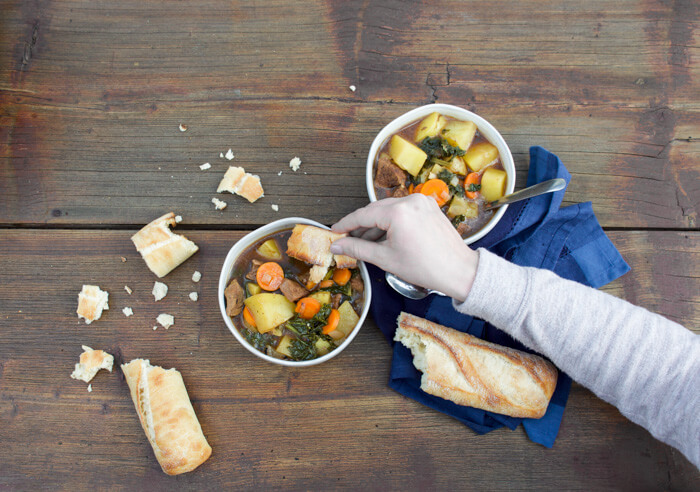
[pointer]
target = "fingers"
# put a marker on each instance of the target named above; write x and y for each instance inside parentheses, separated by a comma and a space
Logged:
(369, 217)
(357, 248)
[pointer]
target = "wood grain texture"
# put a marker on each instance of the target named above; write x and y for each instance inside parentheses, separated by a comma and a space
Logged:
(333, 425)
(92, 95)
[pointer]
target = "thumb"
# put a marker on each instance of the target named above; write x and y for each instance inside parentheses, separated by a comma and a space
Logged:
(357, 248)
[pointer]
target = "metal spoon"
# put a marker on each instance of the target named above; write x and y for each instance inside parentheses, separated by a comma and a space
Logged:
(548, 186)
(412, 291)
(407, 289)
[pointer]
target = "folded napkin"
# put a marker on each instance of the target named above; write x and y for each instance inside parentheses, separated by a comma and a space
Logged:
(534, 232)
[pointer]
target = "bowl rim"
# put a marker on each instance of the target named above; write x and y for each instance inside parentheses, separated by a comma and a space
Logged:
(484, 127)
(225, 275)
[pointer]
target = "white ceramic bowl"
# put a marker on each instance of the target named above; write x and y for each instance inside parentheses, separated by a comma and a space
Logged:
(485, 128)
(226, 272)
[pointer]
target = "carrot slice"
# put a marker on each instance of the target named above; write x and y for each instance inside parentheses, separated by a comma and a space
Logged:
(270, 276)
(307, 307)
(341, 276)
(471, 179)
(310, 285)
(417, 188)
(438, 189)
(324, 284)
(333, 320)
(248, 317)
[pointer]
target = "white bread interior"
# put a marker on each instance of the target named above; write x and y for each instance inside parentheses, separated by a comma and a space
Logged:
(161, 249)
(91, 361)
(473, 372)
(91, 302)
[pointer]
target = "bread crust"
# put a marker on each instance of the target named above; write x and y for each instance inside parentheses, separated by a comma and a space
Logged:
(239, 182)
(161, 249)
(473, 372)
(167, 416)
(313, 245)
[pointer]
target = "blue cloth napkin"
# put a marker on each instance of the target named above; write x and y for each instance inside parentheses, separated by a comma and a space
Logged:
(537, 233)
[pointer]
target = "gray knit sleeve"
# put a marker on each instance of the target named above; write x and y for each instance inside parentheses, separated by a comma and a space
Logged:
(644, 364)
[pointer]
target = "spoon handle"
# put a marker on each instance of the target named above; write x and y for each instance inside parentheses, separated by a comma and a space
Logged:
(548, 186)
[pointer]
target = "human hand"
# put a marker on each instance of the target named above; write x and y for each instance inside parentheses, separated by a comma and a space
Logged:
(412, 238)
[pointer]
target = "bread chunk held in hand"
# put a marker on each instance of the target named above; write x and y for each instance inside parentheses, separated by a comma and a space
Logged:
(410, 237)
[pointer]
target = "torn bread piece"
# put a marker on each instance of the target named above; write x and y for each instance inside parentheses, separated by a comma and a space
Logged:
(313, 245)
(473, 372)
(91, 361)
(165, 320)
(160, 290)
(167, 417)
(91, 302)
(161, 249)
(237, 181)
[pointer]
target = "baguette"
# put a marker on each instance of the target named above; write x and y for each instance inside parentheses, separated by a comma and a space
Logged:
(472, 372)
(161, 249)
(167, 416)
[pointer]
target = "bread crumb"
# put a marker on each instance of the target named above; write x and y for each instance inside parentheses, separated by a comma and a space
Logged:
(219, 204)
(229, 155)
(221, 154)
(183, 128)
(160, 290)
(236, 180)
(155, 328)
(194, 296)
(123, 259)
(128, 311)
(295, 163)
(91, 302)
(276, 208)
(279, 173)
(353, 88)
(196, 276)
(90, 388)
(205, 166)
(165, 320)
(178, 218)
(127, 289)
(92, 361)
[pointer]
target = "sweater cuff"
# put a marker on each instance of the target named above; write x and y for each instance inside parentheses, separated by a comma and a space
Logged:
(498, 293)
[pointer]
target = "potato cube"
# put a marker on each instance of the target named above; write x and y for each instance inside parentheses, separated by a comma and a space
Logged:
(283, 346)
(458, 166)
(322, 296)
(430, 126)
(348, 318)
(459, 133)
(462, 206)
(322, 346)
(269, 310)
(270, 250)
(406, 155)
(253, 288)
(435, 170)
(480, 156)
(493, 184)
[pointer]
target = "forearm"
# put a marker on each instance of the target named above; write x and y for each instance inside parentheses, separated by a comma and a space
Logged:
(646, 365)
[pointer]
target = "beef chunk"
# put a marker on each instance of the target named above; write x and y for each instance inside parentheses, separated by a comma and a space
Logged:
(234, 298)
(388, 174)
(357, 284)
(399, 192)
(292, 290)
(253, 270)
(335, 300)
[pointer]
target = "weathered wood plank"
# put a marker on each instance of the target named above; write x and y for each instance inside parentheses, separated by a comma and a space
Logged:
(92, 94)
(270, 426)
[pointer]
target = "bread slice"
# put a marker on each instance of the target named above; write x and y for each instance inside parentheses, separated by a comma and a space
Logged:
(91, 361)
(313, 245)
(91, 302)
(167, 416)
(237, 181)
(161, 249)
(472, 372)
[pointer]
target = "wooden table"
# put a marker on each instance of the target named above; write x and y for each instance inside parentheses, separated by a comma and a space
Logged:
(91, 96)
